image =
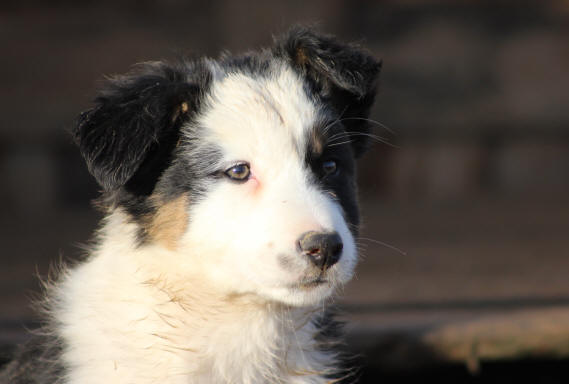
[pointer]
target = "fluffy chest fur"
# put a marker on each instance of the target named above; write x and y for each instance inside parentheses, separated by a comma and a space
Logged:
(127, 324)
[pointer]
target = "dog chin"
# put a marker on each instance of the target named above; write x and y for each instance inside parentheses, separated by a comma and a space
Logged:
(302, 294)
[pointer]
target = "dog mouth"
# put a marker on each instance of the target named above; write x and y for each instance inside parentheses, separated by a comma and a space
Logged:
(312, 283)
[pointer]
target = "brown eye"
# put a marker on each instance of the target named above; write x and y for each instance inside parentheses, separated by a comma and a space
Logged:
(239, 172)
(329, 167)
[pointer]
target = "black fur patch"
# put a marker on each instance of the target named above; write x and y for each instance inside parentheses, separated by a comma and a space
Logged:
(342, 75)
(329, 340)
(331, 142)
(35, 362)
(128, 138)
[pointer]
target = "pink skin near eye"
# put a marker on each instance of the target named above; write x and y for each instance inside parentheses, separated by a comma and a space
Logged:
(253, 182)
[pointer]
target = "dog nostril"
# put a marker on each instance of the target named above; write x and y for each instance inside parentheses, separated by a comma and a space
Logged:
(338, 249)
(322, 249)
(314, 251)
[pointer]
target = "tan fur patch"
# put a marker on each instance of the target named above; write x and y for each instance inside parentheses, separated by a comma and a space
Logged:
(316, 143)
(301, 58)
(180, 110)
(170, 222)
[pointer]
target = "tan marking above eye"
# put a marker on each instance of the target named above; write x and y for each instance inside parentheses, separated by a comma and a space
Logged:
(316, 143)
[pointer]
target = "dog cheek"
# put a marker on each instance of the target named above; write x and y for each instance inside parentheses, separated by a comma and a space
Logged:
(227, 243)
(169, 223)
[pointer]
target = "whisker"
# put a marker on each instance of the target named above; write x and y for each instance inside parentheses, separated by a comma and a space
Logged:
(392, 247)
(336, 136)
(371, 121)
(342, 134)
(326, 128)
(377, 137)
(372, 136)
(342, 143)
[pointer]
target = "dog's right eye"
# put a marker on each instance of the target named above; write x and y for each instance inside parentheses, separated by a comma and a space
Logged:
(239, 172)
(329, 167)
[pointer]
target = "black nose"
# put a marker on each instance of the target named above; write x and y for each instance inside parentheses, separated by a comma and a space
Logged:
(322, 249)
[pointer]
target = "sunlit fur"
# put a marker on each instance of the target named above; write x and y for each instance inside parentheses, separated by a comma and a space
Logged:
(246, 227)
(197, 278)
(218, 308)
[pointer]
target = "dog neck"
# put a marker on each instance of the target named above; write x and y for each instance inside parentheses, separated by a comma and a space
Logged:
(121, 320)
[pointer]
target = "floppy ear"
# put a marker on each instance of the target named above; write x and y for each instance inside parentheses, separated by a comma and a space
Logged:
(127, 139)
(342, 74)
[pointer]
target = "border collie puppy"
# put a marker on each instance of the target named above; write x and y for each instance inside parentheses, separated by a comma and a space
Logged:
(230, 199)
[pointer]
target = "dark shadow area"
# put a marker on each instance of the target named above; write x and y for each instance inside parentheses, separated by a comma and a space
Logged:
(522, 371)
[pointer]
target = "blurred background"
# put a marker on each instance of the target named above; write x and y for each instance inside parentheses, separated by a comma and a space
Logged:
(465, 268)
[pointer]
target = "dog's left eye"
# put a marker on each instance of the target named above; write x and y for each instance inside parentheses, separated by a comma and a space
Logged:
(329, 167)
(239, 172)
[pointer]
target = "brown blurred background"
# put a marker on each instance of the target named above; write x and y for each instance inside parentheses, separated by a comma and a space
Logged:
(471, 195)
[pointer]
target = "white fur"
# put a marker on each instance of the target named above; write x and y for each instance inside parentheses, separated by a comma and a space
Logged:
(255, 222)
(219, 308)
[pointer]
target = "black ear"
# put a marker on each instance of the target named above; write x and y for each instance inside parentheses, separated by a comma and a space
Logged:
(127, 139)
(342, 74)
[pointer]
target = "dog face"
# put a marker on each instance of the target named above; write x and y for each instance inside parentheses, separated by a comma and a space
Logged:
(242, 167)
(277, 181)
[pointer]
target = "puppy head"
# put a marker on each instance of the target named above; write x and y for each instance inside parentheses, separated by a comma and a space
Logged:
(242, 167)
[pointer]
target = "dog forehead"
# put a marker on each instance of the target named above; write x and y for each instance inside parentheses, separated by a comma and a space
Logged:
(250, 115)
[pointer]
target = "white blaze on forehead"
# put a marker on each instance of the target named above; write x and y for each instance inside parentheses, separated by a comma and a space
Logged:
(267, 115)
(247, 228)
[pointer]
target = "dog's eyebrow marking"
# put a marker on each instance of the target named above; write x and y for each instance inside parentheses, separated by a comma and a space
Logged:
(169, 222)
(315, 142)
(317, 138)
(180, 110)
